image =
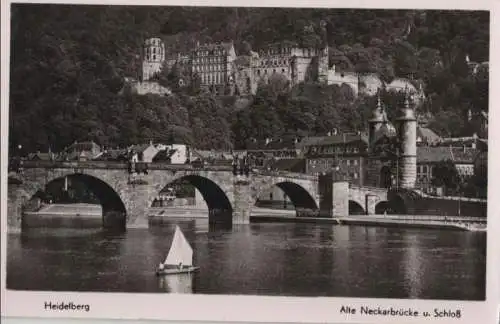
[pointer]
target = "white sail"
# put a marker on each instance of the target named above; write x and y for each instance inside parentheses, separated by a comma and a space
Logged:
(180, 250)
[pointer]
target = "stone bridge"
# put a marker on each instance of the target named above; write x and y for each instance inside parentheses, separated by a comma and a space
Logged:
(127, 196)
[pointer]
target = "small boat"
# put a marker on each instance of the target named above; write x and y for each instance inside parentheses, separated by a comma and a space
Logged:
(179, 258)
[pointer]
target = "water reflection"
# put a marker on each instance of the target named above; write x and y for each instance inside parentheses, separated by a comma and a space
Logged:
(177, 283)
(257, 259)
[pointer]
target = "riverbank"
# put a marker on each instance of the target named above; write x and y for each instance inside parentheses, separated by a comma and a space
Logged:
(409, 221)
(91, 215)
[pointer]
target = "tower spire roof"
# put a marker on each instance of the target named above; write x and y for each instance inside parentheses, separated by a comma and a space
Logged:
(378, 113)
(406, 113)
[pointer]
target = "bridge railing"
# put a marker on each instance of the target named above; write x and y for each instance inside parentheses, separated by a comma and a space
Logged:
(153, 166)
(352, 186)
(428, 218)
(117, 165)
(423, 194)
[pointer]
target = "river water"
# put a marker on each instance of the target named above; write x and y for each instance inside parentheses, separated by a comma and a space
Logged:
(256, 259)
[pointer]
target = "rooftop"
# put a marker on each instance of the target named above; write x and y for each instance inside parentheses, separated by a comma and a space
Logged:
(433, 154)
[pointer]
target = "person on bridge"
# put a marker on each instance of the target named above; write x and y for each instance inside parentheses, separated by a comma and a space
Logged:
(161, 266)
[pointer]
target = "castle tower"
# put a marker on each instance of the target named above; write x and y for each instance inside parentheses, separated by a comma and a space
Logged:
(323, 55)
(323, 65)
(153, 58)
(407, 135)
(375, 123)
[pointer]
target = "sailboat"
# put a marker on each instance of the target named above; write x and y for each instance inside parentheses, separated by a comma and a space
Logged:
(179, 258)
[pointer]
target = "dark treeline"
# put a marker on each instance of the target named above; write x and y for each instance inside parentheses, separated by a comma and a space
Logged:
(68, 64)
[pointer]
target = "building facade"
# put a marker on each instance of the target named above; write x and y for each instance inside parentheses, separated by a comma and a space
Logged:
(214, 66)
(344, 154)
(153, 53)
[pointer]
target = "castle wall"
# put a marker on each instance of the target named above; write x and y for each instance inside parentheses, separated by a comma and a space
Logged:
(370, 84)
(149, 69)
(245, 81)
(339, 78)
(448, 207)
(143, 88)
(300, 69)
(215, 64)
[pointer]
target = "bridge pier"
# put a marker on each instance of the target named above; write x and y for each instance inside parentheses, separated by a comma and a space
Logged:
(16, 199)
(340, 199)
(243, 202)
(371, 201)
(334, 196)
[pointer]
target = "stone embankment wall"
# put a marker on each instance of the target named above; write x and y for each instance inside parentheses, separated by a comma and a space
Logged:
(449, 207)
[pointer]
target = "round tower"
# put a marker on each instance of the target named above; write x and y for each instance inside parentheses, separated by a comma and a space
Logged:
(375, 123)
(407, 135)
(153, 57)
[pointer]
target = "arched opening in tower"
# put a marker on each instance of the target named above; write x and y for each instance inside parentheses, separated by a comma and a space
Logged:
(398, 205)
(287, 197)
(385, 177)
(355, 208)
(383, 207)
(199, 194)
(76, 200)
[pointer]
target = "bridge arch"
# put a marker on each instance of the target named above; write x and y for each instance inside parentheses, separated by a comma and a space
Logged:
(383, 207)
(217, 199)
(355, 208)
(114, 212)
(301, 197)
(402, 201)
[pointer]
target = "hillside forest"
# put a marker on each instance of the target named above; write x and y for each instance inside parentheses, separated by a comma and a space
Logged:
(69, 64)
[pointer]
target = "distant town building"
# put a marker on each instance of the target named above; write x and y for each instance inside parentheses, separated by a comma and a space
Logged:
(344, 154)
(143, 152)
(428, 157)
(81, 151)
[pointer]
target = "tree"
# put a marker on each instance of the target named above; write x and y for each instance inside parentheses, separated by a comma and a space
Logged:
(446, 174)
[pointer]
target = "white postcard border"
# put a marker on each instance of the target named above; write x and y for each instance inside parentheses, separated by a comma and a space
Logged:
(233, 308)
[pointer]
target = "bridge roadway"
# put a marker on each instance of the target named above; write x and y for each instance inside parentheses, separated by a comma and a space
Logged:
(126, 196)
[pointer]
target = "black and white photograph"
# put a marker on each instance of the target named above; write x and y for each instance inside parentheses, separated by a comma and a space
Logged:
(174, 151)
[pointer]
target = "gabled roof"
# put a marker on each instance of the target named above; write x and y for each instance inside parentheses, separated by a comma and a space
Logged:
(113, 155)
(276, 144)
(83, 146)
(293, 165)
(427, 135)
(164, 155)
(40, 156)
(308, 141)
(434, 154)
(344, 138)
(227, 46)
(140, 147)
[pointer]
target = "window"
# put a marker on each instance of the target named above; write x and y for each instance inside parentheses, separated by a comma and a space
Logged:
(424, 169)
(283, 70)
(154, 57)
